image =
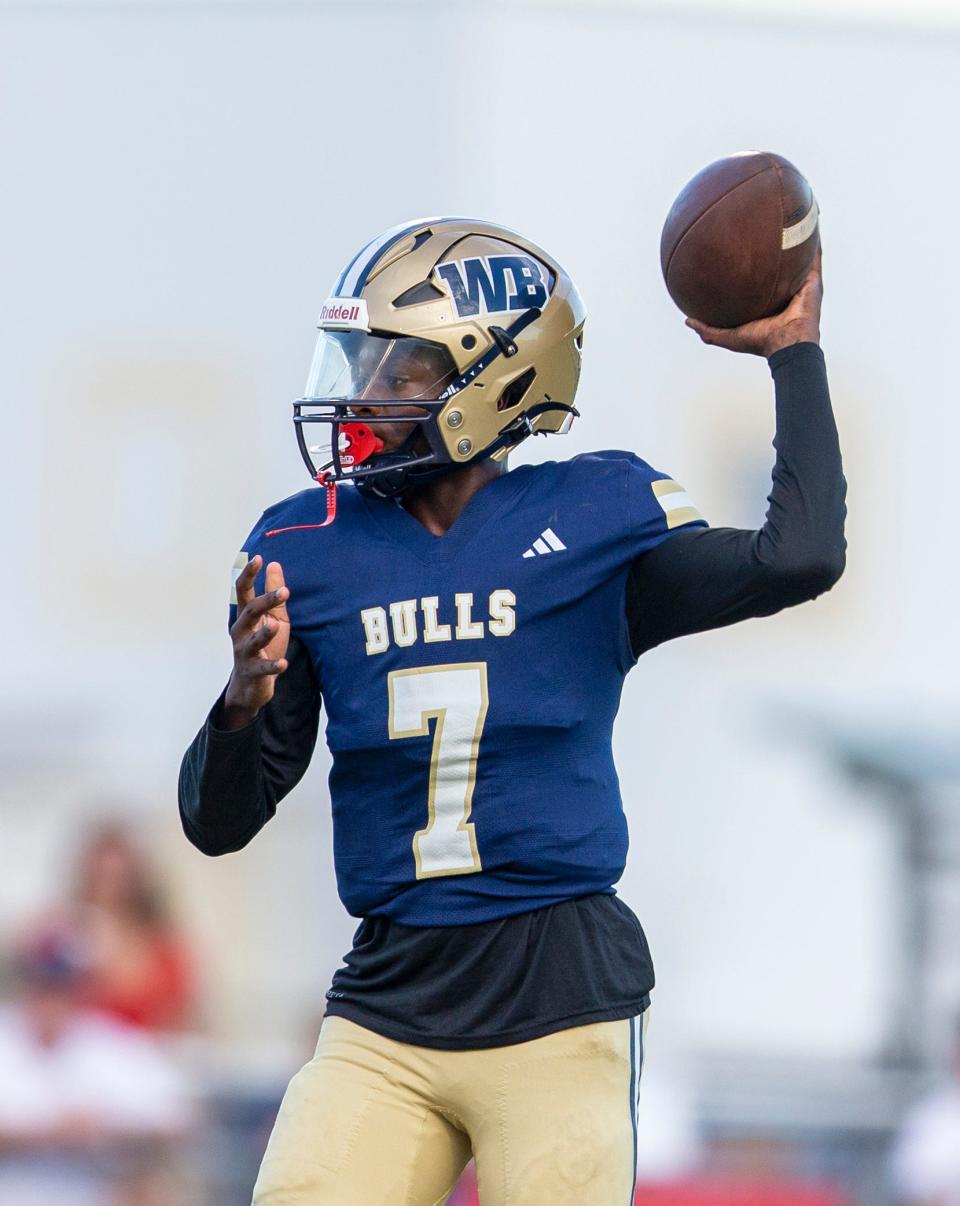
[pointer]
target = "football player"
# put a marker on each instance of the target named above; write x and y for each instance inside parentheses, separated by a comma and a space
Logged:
(468, 630)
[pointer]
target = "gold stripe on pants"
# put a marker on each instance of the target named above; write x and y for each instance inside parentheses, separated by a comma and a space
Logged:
(373, 1122)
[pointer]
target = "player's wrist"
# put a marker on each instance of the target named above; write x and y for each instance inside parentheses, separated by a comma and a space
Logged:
(234, 718)
(788, 337)
(237, 712)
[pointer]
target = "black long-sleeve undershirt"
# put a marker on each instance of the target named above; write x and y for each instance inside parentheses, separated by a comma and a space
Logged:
(232, 781)
(702, 578)
(709, 577)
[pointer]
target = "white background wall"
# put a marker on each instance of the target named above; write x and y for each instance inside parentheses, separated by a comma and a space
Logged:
(181, 184)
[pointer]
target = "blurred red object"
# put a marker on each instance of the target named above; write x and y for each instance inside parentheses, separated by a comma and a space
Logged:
(466, 1193)
(157, 996)
(702, 1192)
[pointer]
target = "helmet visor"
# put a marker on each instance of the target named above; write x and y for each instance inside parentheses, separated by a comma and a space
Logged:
(354, 366)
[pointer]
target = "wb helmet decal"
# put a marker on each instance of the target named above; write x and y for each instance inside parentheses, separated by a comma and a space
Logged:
(494, 284)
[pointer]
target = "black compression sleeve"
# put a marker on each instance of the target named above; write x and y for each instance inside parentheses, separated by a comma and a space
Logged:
(708, 577)
(232, 781)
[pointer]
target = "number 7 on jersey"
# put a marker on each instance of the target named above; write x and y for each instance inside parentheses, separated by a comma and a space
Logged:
(456, 698)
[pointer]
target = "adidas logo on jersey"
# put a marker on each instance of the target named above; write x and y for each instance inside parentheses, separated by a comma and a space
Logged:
(547, 542)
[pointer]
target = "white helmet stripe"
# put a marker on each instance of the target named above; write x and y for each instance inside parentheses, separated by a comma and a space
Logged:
(356, 272)
(365, 258)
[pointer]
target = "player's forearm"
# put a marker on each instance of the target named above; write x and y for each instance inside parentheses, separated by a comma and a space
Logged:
(802, 536)
(222, 799)
(708, 578)
(232, 780)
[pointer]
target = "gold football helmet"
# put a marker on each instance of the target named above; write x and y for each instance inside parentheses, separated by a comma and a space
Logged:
(462, 332)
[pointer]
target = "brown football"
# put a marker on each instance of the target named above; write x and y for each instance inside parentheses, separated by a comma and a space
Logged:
(739, 239)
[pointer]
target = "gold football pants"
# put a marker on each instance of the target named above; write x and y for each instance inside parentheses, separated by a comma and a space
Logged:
(373, 1122)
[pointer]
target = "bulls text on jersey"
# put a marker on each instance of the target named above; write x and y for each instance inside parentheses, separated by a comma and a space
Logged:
(410, 620)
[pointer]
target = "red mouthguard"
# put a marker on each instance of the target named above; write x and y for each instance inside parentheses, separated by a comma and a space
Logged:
(357, 443)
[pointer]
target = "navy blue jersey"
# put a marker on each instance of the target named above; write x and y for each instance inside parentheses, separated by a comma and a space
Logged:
(471, 682)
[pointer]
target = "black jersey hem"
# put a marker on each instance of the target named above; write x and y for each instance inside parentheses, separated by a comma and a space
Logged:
(508, 1038)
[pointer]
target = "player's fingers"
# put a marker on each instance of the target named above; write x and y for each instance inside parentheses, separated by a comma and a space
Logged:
(250, 616)
(245, 580)
(275, 584)
(265, 667)
(734, 339)
(259, 637)
(707, 334)
(808, 297)
(814, 277)
(274, 576)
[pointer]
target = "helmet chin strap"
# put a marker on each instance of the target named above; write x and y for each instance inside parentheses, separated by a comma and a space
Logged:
(387, 484)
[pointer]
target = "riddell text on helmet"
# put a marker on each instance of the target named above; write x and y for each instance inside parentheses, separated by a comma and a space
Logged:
(344, 312)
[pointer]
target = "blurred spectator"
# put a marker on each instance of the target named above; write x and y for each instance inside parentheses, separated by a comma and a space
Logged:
(140, 968)
(926, 1155)
(90, 1108)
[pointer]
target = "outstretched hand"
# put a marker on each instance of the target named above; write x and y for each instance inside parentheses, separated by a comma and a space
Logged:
(260, 636)
(798, 323)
